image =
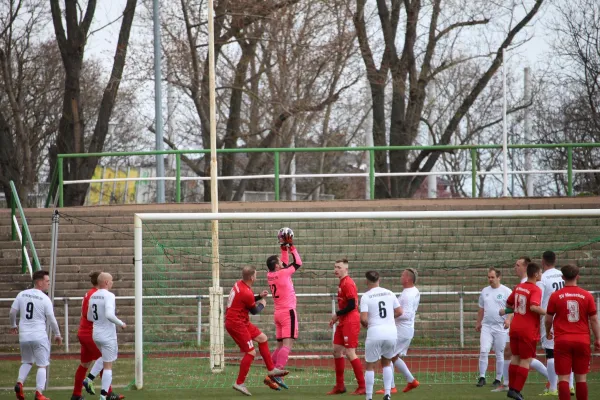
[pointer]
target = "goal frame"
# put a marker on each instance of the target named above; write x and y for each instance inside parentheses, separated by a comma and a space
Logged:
(216, 292)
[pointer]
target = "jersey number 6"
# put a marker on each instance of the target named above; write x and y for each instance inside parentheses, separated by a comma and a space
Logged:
(382, 310)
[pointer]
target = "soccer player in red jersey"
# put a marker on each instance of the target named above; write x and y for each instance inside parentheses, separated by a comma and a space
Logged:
(285, 317)
(571, 312)
(89, 351)
(524, 333)
(242, 301)
(345, 340)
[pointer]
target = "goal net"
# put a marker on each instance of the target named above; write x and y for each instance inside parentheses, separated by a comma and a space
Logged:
(451, 250)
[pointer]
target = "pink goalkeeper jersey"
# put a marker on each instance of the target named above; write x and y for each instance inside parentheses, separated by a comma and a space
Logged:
(280, 282)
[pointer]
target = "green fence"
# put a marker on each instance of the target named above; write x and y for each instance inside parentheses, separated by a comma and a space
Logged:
(474, 150)
(26, 240)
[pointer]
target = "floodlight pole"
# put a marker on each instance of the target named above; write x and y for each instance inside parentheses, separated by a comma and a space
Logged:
(160, 163)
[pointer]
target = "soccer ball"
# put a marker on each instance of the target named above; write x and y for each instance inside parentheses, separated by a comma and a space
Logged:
(285, 235)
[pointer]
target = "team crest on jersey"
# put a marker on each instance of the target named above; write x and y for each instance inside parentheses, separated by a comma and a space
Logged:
(499, 297)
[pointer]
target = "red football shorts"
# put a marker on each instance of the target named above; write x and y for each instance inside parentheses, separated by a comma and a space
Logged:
(89, 350)
(346, 334)
(571, 356)
(523, 347)
(286, 325)
(243, 334)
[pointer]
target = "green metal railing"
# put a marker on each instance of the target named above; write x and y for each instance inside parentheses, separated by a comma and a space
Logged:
(58, 173)
(25, 234)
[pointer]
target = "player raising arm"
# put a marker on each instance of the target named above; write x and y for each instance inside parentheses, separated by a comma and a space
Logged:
(101, 312)
(242, 301)
(378, 308)
(571, 311)
(34, 308)
(525, 300)
(345, 340)
(280, 282)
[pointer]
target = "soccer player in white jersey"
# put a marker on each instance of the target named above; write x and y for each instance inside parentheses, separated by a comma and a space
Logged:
(552, 280)
(101, 312)
(405, 326)
(378, 308)
(493, 327)
(34, 308)
(521, 272)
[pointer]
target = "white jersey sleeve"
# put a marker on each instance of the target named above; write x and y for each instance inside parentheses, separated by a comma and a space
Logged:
(380, 303)
(409, 300)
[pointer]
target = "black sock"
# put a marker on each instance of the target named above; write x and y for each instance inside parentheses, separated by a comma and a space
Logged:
(91, 377)
(103, 392)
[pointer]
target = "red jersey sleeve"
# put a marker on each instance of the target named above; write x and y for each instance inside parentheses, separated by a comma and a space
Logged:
(591, 306)
(536, 297)
(552, 304)
(510, 302)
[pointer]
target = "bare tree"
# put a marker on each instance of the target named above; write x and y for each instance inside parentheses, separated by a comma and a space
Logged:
(71, 135)
(422, 57)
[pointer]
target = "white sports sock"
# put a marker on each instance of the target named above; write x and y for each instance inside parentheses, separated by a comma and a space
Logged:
(539, 367)
(388, 376)
(499, 366)
(505, 372)
(401, 367)
(40, 379)
(552, 377)
(97, 367)
(23, 372)
(369, 382)
(483, 364)
(571, 380)
(106, 379)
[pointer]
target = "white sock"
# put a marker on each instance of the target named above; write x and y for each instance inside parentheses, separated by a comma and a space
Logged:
(402, 368)
(369, 382)
(106, 379)
(483, 364)
(393, 378)
(23, 372)
(552, 377)
(98, 366)
(505, 372)
(388, 376)
(40, 379)
(499, 366)
(571, 380)
(539, 367)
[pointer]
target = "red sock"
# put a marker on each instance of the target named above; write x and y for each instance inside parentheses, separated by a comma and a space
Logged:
(263, 348)
(244, 368)
(564, 393)
(80, 375)
(520, 378)
(282, 358)
(340, 364)
(581, 391)
(512, 374)
(358, 372)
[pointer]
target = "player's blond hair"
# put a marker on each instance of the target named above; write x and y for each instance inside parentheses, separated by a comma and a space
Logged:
(248, 272)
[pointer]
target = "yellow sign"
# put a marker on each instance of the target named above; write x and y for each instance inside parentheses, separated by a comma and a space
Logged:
(103, 193)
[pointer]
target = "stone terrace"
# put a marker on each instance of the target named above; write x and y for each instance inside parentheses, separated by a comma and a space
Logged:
(101, 238)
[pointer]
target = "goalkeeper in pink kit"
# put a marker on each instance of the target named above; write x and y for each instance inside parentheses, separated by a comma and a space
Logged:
(280, 282)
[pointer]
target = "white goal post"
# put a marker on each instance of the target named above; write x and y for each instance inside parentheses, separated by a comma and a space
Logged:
(218, 346)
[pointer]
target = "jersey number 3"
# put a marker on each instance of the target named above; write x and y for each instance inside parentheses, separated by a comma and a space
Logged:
(95, 312)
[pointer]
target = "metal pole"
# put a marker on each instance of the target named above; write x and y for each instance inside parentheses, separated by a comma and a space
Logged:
(473, 172)
(52, 273)
(293, 170)
(462, 319)
(199, 321)
(333, 312)
(527, 133)
(139, 329)
(160, 164)
(66, 300)
(217, 356)
(570, 171)
(276, 173)
(504, 131)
